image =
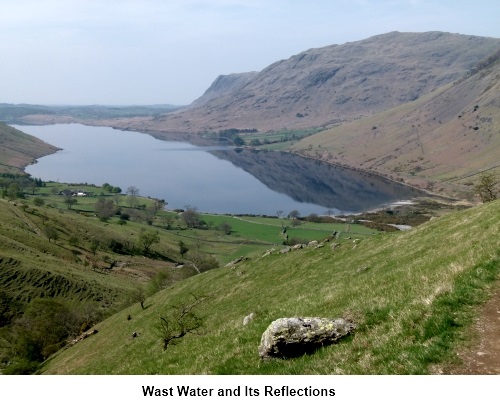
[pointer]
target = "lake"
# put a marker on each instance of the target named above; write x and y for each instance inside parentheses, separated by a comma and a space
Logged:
(214, 179)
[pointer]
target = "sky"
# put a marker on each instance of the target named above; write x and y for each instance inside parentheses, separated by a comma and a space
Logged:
(124, 52)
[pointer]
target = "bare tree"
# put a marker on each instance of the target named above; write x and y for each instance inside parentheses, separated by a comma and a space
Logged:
(132, 190)
(133, 200)
(191, 217)
(181, 321)
(104, 208)
(139, 295)
(158, 205)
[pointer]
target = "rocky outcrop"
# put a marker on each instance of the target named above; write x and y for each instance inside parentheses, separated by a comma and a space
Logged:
(83, 336)
(224, 85)
(292, 337)
(236, 261)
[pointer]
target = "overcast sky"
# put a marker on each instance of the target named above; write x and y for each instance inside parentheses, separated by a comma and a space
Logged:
(170, 51)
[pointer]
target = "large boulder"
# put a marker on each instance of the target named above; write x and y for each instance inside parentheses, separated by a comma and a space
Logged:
(292, 337)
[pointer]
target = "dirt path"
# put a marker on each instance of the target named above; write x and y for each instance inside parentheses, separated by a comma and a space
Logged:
(484, 356)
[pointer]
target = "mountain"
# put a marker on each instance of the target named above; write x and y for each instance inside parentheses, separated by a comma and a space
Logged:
(444, 139)
(326, 86)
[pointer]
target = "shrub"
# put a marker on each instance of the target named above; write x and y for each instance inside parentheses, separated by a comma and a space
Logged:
(38, 201)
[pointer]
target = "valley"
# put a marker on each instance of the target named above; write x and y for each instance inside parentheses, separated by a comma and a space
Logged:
(414, 115)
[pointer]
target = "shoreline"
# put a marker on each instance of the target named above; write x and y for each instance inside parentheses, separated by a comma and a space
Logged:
(198, 140)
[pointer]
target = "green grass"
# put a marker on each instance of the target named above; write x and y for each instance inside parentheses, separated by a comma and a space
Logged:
(412, 295)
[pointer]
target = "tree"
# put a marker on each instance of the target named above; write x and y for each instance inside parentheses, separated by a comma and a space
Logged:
(148, 238)
(13, 191)
(104, 208)
(51, 232)
(38, 201)
(139, 295)
(167, 221)
(44, 326)
(485, 188)
(202, 262)
(107, 187)
(133, 192)
(294, 214)
(238, 141)
(181, 320)
(69, 200)
(313, 217)
(191, 218)
(158, 282)
(157, 206)
(226, 228)
(183, 249)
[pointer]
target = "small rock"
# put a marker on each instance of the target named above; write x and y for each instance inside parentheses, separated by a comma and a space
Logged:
(248, 319)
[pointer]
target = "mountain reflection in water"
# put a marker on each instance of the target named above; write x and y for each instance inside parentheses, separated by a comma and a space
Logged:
(310, 181)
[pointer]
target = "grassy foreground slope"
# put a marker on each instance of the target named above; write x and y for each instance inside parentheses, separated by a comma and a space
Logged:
(412, 295)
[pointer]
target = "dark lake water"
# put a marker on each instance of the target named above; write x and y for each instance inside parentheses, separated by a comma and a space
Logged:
(213, 179)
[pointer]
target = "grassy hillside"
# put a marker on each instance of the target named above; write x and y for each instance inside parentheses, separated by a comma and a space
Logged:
(55, 252)
(412, 296)
(86, 258)
(18, 149)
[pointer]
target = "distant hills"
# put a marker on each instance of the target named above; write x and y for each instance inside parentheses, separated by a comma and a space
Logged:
(42, 114)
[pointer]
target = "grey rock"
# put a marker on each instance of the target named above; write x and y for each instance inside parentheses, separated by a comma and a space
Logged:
(292, 337)
(249, 318)
(236, 261)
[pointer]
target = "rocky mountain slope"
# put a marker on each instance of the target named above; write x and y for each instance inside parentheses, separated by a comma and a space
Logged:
(446, 138)
(330, 85)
